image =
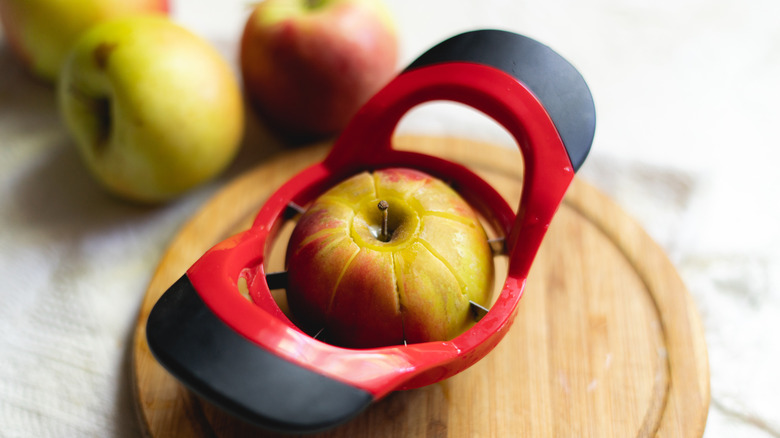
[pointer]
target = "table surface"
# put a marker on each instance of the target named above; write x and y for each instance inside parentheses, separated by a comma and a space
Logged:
(686, 104)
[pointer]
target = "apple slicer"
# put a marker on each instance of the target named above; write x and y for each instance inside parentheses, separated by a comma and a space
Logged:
(249, 359)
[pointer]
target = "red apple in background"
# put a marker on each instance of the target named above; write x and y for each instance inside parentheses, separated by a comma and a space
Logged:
(41, 32)
(308, 65)
(365, 287)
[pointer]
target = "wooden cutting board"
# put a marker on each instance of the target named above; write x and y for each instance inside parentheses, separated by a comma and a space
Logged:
(607, 341)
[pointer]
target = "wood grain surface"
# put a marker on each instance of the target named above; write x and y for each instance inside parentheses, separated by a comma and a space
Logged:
(607, 341)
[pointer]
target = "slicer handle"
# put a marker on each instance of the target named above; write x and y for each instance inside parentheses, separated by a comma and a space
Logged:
(366, 143)
(208, 335)
(552, 79)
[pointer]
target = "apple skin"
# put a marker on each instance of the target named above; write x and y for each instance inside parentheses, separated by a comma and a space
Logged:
(307, 67)
(369, 293)
(40, 32)
(153, 108)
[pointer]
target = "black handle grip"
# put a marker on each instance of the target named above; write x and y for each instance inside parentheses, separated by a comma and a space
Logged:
(552, 79)
(242, 378)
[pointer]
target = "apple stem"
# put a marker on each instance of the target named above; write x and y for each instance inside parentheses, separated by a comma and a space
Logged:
(383, 206)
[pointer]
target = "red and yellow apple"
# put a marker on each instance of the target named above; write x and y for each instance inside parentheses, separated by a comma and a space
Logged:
(153, 108)
(41, 32)
(308, 65)
(365, 285)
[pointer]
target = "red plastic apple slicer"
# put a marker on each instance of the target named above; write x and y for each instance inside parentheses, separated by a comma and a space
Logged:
(249, 359)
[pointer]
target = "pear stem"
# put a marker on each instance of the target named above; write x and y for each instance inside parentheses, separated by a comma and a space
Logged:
(383, 206)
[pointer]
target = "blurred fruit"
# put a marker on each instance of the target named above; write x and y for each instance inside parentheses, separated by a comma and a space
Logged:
(40, 32)
(308, 65)
(153, 108)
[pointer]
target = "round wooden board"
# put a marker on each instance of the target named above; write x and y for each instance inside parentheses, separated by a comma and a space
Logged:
(607, 341)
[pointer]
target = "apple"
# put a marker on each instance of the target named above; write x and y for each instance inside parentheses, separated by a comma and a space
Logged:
(309, 65)
(153, 108)
(361, 284)
(40, 32)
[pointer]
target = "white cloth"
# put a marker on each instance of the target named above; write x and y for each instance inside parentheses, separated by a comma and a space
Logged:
(687, 106)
